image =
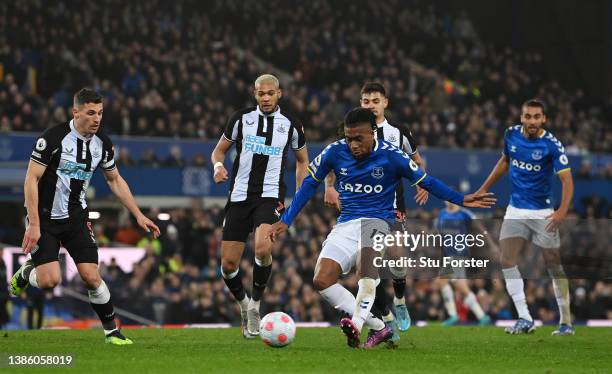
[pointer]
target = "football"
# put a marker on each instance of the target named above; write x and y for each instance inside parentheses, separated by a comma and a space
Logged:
(277, 329)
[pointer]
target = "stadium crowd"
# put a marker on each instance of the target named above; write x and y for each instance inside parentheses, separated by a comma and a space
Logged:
(177, 69)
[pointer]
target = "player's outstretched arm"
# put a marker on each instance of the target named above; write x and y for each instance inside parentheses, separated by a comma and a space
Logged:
(121, 189)
(500, 169)
(332, 197)
(303, 195)
(30, 189)
(567, 193)
(217, 158)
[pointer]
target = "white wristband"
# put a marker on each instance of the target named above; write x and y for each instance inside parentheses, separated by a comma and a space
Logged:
(218, 164)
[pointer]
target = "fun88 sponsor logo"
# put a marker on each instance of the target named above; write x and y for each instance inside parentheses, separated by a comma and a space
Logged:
(75, 170)
(358, 187)
(257, 144)
(526, 165)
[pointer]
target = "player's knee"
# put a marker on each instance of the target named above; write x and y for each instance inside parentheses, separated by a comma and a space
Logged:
(229, 266)
(321, 282)
(262, 250)
(91, 279)
(47, 281)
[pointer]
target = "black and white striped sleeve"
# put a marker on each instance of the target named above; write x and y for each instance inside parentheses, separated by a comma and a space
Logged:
(47, 145)
(108, 153)
(298, 139)
(407, 142)
(231, 128)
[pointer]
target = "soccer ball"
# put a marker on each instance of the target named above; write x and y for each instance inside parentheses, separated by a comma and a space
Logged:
(277, 329)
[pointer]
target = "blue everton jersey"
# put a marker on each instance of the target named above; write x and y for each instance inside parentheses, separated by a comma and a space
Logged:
(532, 164)
(366, 188)
(455, 223)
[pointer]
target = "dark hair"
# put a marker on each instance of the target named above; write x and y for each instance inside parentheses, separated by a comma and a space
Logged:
(535, 103)
(370, 87)
(358, 116)
(87, 95)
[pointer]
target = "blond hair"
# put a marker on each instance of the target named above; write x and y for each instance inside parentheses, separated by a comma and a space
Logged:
(267, 78)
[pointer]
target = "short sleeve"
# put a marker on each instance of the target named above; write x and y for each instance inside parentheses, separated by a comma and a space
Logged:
(46, 146)
(559, 158)
(323, 163)
(231, 128)
(108, 154)
(407, 168)
(408, 144)
(298, 139)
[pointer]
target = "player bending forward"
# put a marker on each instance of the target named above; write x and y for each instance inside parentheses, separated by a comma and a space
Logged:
(368, 172)
(62, 163)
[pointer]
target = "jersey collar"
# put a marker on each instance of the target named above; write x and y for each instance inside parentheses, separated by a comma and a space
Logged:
(78, 134)
(268, 115)
(383, 123)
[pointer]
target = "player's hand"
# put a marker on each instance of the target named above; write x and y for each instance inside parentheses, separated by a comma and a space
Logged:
(331, 198)
(555, 220)
(479, 200)
(220, 174)
(276, 229)
(421, 195)
(148, 225)
(30, 238)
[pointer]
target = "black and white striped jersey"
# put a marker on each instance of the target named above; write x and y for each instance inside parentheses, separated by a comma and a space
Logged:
(262, 142)
(402, 139)
(70, 159)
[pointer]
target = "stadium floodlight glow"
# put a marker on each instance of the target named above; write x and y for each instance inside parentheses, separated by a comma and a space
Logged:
(163, 216)
(94, 215)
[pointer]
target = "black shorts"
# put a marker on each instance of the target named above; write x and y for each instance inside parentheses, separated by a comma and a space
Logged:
(74, 234)
(241, 218)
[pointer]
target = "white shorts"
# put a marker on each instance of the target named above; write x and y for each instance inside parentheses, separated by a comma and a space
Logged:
(529, 224)
(344, 242)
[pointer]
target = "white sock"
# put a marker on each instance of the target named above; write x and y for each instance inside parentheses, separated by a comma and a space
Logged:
(364, 301)
(388, 318)
(344, 301)
(472, 303)
(449, 300)
(106, 332)
(400, 301)
(252, 304)
(244, 303)
(100, 295)
(561, 288)
(32, 278)
(515, 287)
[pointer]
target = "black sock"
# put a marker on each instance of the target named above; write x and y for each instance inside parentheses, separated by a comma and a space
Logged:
(235, 286)
(106, 313)
(381, 302)
(399, 287)
(261, 274)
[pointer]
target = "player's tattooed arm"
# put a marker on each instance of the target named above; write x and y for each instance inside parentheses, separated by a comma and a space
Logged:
(500, 169)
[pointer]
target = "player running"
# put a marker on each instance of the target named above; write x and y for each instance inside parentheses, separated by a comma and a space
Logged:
(263, 136)
(368, 171)
(374, 97)
(61, 166)
(532, 155)
(455, 220)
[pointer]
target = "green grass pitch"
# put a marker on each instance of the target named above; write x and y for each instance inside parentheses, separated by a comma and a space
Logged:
(316, 350)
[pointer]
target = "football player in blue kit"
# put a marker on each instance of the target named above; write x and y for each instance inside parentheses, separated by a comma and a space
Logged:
(368, 171)
(455, 220)
(532, 155)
